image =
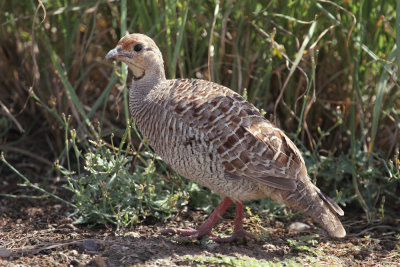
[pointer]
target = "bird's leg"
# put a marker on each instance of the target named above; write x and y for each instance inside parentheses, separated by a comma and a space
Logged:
(205, 228)
(239, 234)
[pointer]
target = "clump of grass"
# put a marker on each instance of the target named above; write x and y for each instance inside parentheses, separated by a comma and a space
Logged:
(306, 244)
(111, 190)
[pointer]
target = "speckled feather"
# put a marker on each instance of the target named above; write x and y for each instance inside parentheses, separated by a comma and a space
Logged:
(213, 136)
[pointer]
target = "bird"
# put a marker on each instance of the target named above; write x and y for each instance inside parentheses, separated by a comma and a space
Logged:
(213, 136)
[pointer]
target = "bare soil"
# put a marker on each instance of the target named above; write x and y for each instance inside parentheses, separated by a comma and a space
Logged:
(39, 233)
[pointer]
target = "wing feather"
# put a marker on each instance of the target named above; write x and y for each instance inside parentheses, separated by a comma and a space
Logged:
(248, 145)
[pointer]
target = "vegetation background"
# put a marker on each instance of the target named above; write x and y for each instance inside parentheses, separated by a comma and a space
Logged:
(324, 71)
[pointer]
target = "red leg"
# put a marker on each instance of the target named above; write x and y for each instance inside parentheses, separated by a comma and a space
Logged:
(239, 233)
(205, 228)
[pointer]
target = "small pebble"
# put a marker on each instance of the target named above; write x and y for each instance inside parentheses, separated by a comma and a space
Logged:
(269, 247)
(298, 227)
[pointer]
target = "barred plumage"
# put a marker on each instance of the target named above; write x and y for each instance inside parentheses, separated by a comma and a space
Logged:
(213, 136)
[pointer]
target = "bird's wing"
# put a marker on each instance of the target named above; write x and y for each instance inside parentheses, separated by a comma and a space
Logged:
(248, 145)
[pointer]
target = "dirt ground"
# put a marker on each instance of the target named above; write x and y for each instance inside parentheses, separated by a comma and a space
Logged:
(39, 233)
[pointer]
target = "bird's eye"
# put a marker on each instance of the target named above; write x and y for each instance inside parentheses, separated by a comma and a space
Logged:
(137, 47)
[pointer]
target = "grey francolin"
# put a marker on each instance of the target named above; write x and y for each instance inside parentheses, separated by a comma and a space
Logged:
(214, 137)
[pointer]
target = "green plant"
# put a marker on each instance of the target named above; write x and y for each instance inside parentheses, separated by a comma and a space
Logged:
(119, 185)
(306, 244)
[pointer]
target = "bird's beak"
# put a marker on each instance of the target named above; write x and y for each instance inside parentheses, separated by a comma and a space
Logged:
(114, 53)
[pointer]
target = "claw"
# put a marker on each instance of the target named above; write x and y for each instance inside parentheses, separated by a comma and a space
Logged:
(238, 236)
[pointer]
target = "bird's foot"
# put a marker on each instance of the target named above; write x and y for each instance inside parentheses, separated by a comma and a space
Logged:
(238, 236)
(239, 233)
(189, 233)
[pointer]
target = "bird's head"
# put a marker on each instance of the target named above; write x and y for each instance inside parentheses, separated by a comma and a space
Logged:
(141, 54)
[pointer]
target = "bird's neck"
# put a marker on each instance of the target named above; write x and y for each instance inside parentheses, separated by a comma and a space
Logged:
(140, 90)
(141, 86)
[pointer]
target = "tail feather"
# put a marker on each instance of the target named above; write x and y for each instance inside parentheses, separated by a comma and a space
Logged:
(308, 199)
(331, 203)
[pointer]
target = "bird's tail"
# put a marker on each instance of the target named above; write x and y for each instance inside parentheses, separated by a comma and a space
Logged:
(308, 199)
